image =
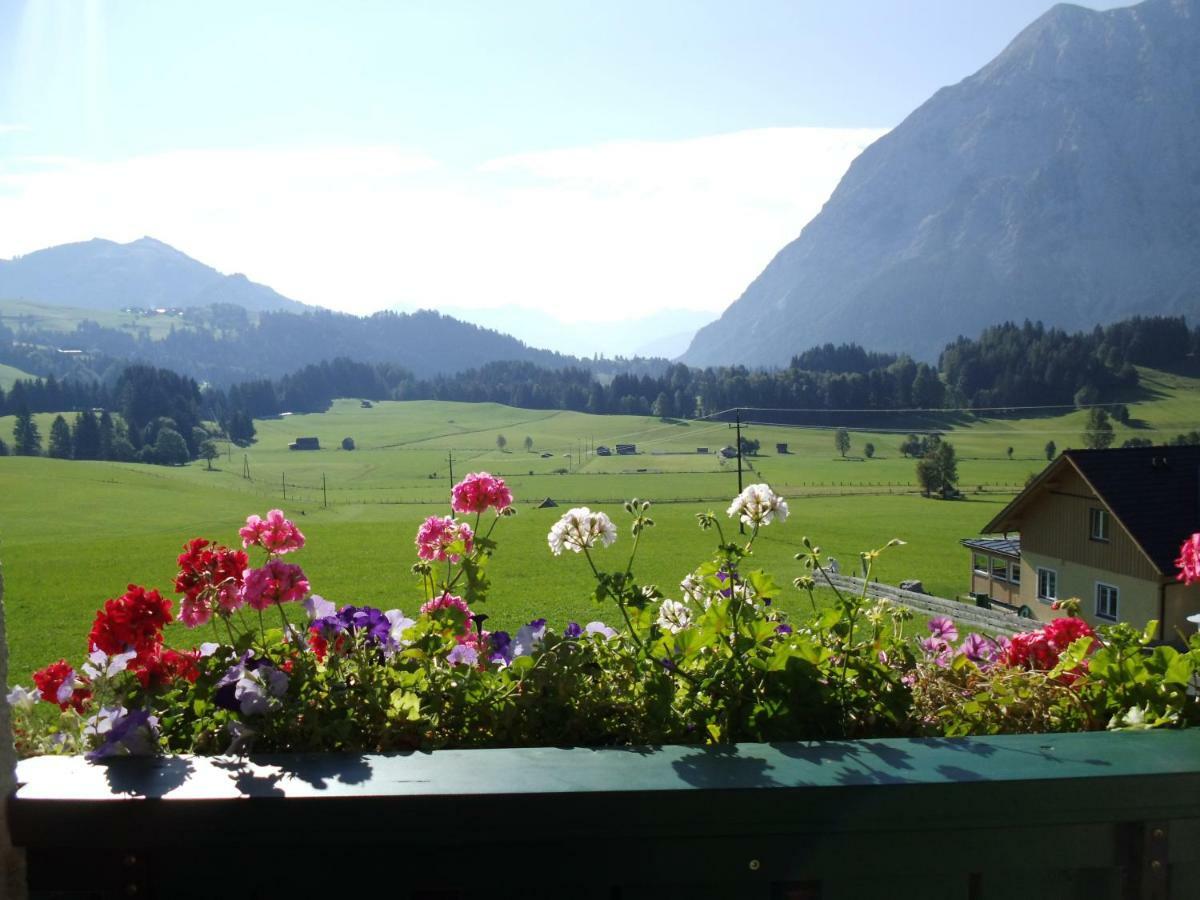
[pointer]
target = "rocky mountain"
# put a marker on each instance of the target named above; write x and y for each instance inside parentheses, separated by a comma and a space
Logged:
(1059, 183)
(146, 273)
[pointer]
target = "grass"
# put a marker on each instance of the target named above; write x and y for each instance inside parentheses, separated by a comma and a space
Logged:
(9, 375)
(74, 533)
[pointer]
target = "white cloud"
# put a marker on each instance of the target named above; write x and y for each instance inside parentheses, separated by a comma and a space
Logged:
(605, 230)
(13, 128)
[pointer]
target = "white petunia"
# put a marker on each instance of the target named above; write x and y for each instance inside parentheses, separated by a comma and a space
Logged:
(23, 698)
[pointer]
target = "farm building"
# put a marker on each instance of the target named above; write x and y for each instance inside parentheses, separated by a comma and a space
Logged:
(781, 448)
(702, 450)
(728, 452)
(1104, 526)
(603, 451)
(626, 449)
(305, 443)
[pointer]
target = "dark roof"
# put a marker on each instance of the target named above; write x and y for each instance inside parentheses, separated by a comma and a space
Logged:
(1003, 546)
(1153, 491)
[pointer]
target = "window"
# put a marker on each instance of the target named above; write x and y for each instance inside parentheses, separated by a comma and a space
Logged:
(1014, 573)
(981, 564)
(1098, 520)
(1106, 602)
(999, 570)
(1047, 584)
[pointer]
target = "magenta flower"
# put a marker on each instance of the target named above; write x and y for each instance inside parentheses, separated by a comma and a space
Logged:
(978, 649)
(276, 582)
(480, 491)
(442, 538)
(943, 628)
(275, 534)
(1189, 560)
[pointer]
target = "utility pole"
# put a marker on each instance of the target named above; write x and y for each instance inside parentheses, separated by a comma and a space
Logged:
(246, 466)
(324, 495)
(737, 414)
(283, 482)
(450, 459)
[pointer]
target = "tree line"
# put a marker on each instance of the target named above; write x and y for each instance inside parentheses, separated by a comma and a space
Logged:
(1007, 366)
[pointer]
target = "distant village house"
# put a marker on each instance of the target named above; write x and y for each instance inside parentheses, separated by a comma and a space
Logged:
(1104, 526)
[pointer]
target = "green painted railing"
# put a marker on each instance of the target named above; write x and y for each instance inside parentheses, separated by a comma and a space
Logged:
(1032, 816)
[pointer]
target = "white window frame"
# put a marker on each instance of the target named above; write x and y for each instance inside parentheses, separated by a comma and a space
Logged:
(1098, 516)
(1053, 575)
(1116, 601)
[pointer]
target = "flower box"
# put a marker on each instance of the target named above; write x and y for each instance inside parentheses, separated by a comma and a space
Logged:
(1031, 816)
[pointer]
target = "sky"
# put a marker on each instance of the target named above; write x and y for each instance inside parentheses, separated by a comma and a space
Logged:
(591, 160)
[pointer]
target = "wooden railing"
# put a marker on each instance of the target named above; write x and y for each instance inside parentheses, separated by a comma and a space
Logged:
(1059, 817)
(990, 620)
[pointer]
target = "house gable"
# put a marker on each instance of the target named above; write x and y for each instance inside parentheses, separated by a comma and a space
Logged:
(1058, 524)
(1152, 495)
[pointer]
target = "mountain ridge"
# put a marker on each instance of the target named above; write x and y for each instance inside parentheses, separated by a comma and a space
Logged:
(1060, 182)
(148, 273)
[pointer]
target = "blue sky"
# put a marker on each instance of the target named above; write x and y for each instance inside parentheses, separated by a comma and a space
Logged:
(616, 156)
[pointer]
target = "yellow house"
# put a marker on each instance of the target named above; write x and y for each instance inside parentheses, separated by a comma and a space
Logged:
(1104, 526)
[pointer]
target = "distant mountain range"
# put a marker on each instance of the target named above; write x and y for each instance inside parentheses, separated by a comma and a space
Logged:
(1060, 183)
(146, 273)
(664, 333)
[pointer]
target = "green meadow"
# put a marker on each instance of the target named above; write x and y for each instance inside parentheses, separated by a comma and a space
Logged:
(75, 533)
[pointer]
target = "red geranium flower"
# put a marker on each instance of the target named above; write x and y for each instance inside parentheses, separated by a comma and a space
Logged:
(58, 685)
(133, 621)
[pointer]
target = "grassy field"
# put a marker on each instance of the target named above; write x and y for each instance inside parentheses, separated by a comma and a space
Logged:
(8, 375)
(64, 319)
(74, 533)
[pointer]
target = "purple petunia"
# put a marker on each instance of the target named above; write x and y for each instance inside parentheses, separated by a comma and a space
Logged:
(783, 628)
(573, 630)
(126, 732)
(500, 650)
(943, 628)
(979, 649)
(463, 655)
(529, 637)
(601, 629)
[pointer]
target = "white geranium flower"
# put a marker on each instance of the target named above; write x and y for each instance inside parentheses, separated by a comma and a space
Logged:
(581, 528)
(674, 616)
(758, 505)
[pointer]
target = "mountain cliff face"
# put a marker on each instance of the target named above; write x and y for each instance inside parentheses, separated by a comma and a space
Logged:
(1061, 182)
(100, 274)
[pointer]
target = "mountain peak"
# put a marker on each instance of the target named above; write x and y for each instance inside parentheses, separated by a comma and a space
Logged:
(103, 274)
(1061, 183)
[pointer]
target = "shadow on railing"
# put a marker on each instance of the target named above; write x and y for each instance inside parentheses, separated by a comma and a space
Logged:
(1028, 816)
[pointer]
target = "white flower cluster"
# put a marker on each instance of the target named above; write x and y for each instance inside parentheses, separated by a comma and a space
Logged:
(674, 616)
(580, 528)
(758, 505)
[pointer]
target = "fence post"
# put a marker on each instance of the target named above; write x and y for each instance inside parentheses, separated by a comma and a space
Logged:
(12, 862)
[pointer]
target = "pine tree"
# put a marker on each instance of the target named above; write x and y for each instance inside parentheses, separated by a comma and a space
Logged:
(27, 440)
(107, 435)
(60, 439)
(85, 436)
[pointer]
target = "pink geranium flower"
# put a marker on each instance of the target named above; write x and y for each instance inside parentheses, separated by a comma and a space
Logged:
(442, 538)
(480, 491)
(275, 534)
(276, 582)
(1189, 560)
